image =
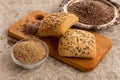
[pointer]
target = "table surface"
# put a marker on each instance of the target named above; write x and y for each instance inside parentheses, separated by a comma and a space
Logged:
(12, 10)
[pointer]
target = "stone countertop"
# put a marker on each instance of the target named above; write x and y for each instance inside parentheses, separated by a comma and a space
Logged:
(12, 10)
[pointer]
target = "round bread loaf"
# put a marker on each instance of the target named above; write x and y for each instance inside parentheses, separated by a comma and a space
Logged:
(77, 43)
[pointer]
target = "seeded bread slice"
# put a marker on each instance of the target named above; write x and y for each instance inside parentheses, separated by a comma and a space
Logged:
(77, 43)
(57, 24)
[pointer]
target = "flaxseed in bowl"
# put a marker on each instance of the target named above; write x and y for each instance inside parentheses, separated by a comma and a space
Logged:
(98, 14)
(30, 53)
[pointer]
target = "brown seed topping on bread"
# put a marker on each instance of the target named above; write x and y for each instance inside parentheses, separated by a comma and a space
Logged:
(54, 20)
(77, 43)
(57, 24)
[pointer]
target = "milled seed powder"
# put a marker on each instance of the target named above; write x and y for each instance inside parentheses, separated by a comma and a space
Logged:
(92, 12)
(29, 51)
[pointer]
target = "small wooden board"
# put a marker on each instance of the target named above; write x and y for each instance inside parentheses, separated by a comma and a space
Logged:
(103, 45)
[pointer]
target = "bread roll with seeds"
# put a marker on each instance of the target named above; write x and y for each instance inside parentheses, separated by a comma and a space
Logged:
(77, 43)
(57, 24)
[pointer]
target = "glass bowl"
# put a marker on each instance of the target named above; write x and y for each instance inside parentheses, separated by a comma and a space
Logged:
(31, 65)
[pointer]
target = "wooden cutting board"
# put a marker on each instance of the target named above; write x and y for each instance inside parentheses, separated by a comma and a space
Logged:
(103, 44)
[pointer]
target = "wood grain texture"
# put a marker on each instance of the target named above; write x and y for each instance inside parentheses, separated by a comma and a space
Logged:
(103, 45)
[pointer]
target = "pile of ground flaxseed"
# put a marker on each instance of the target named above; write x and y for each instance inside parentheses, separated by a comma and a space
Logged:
(30, 27)
(29, 51)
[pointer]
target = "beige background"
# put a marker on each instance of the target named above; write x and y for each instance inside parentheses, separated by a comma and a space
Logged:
(12, 10)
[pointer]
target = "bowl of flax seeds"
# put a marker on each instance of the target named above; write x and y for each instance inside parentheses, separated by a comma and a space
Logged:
(93, 13)
(30, 53)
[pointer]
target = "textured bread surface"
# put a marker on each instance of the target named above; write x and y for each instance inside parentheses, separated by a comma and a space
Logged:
(57, 24)
(77, 43)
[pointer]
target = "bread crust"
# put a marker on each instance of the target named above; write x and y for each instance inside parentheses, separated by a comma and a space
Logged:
(57, 24)
(77, 43)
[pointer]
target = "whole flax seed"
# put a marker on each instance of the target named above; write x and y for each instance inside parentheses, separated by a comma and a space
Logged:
(92, 12)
